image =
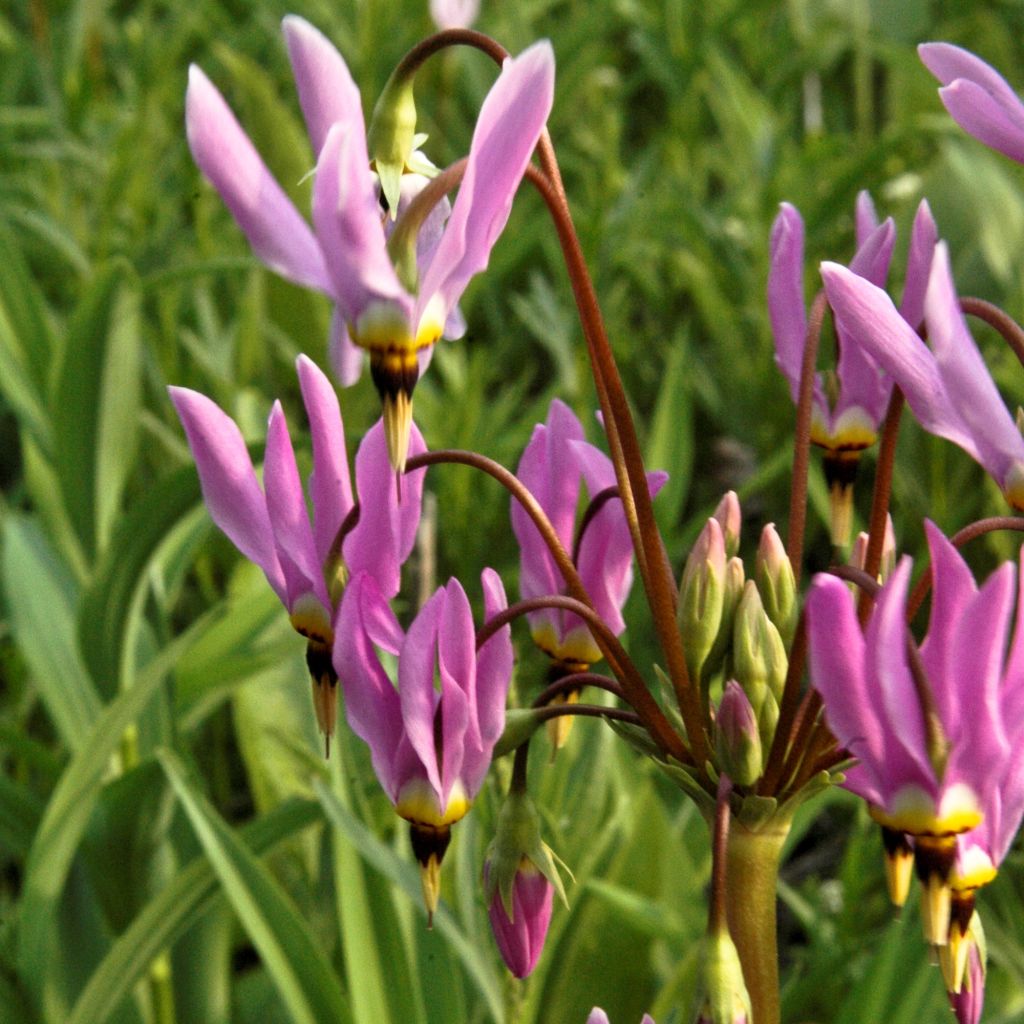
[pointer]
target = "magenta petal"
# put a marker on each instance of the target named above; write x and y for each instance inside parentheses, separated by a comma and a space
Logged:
(867, 315)
(521, 937)
(923, 238)
(875, 253)
(372, 706)
(326, 91)
(494, 663)
(980, 115)
(419, 699)
(286, 504)
(995, 440)
(837, 662)
(348, 225)
(597, 1016)
(507, 129)
(456, 663)
(329, 486)
(230, 489)
(786, 294)
(948, 63)
(865, 217)
(279, 236)
(346, 358)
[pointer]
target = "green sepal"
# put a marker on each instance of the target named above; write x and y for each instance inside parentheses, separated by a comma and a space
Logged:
(637, 737)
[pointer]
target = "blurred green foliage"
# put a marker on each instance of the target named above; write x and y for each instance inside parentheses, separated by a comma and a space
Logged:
(168, 832)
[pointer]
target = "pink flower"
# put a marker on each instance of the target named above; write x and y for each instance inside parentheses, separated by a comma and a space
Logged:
(345, 254)
(848, 407)
(873, 708)
(271, 525)
(946, 382)
(979, 99)
(454, 13)
(552, 467)
(968, 1002)
(431, 748)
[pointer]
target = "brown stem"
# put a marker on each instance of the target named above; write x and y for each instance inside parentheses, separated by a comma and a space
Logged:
(867, 583)
(1011, 331)
(597, 503)
(652, 559)
(718, 905)
(576, 681)
(959, 539)
(802, 437)
(587, 711)
(880, 496)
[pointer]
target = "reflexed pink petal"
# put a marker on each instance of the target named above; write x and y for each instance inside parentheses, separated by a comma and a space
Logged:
(507, 129)
(279, 236)
(836, 657)
(875, 253)
(346, 357)
(372, 706)
(521, 937)
(494, 663)
(867, 314)
(786, 294)
(456, 663)
(866, 219)
(329, 486)
(230, 489)
(418, 697)
(923, 238)
(454, 13)
(286, 504)
(326, 91)
(976, 403)
(948, 63)
(347, 217)
(384, 537)
(597, 1016)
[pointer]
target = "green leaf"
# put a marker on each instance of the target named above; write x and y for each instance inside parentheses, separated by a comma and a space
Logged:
(41, 599)
(406, 876)
(96, 404)
(65, 821)
(20, 811)
(106, 615)
(177, 908)
(300, 971)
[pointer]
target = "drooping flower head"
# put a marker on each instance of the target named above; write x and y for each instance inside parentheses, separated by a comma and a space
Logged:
(386, 303)
(946, 383)
(979, 99)
(271, 525)
(430, 737)
(849, 402)
(929, 773)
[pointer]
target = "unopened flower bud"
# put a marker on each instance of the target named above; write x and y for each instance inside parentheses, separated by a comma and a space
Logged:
(735, 579)
(389, 140)
(775, 581)
(520, 877)
(729, 518)
(859, 552)
(759, 657)
(737, 739)
(701, 596)
(724, 998)
(968, 1001)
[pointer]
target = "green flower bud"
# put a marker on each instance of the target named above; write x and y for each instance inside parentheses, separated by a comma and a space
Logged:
(737, 738)
(729, 518)
(389, 140)
(759, 657)
(774, 574)
(724, 998)
(735, 579)
(701, 596)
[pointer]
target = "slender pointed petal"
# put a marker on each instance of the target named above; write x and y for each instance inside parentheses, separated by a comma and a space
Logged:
(507, 130)
(286, 504)
(456, 664)
(278, 234)
(786, 294)
(230, 489)
(347, 218)
(346, 357)
(865, 217)
(326, 91)
(977, 97)
(494, 664)
(924, 237)
(329, 485)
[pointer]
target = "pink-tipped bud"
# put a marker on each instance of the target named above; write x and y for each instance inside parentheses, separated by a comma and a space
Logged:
(737, 740)
(859, 553)
(701, 596)
(729, 518)
(520, 929)
(774, 574)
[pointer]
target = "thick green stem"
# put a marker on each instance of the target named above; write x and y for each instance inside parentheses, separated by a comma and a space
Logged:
(753, 870)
